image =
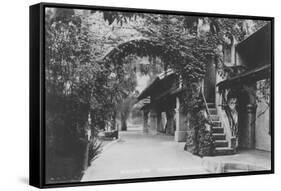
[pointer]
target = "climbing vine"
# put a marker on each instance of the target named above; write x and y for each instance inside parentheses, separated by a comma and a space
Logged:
(187, 45)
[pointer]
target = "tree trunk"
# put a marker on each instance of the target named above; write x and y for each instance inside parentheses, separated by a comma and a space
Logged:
(123, 123)
(86, 156)
(114, 121)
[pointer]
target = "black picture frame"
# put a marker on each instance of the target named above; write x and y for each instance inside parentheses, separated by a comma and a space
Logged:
(37, 140)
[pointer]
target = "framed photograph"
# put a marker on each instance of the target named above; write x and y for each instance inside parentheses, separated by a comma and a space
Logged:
(121, 95)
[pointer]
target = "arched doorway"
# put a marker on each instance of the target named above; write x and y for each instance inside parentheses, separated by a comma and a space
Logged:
(117, 58)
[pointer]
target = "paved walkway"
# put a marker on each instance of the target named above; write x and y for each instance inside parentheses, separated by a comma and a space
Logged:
(138, 155)
(247, 160)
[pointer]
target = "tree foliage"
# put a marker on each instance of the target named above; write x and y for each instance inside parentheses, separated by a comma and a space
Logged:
(73, 81)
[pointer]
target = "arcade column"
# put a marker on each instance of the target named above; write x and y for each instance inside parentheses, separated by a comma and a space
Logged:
(181, 127)
(145, 120)
(250, 130)
(160, 125)
(152, 121)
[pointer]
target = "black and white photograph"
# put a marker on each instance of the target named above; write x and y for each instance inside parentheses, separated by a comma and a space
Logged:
(132, 94)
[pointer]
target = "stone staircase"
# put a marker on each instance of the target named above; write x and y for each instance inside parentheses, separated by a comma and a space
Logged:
(221, 144)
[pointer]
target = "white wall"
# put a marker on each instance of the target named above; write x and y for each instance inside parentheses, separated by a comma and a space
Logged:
(14, 94)
(263, 138)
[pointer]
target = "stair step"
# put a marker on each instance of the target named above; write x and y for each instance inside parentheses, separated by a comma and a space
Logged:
(221, 143)
(215, 117)
(216, 123)
(211, 105)
(217, 130)
(219, 136)
(224, 151)
(213, 111)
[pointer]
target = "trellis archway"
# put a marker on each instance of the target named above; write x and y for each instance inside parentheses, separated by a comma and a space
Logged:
(188, 62)
(116, 57)
(142, 48)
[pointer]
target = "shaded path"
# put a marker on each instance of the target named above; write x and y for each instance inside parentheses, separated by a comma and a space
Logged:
(138, 155)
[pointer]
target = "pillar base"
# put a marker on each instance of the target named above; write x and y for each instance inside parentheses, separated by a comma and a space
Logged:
(152, 132)
(145, 130)
(180, 136)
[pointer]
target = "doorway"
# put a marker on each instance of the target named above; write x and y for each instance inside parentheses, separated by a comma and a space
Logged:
(242, 101)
